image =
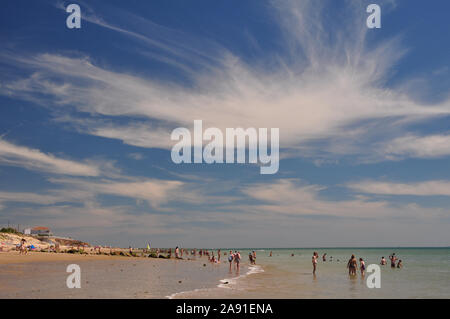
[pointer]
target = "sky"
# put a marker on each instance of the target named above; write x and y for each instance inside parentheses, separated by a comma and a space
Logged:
(86, 117)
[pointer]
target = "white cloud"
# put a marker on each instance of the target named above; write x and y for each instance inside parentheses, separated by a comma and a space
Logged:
(428, 188)
(288, 196)
(430, 146)
(33, 159)
(329, 86)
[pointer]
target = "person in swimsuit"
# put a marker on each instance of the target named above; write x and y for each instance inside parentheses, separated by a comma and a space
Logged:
(230, 258)
(254, 257)
(399, 264)
(23, 248)
(383, 261)
(393, 259)
(314, 261)
(362, 266)
(270, 255)
(237, 259)
(352, 265)
(324, 257)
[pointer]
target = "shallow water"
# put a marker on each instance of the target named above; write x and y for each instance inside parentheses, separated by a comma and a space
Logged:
(425, 274)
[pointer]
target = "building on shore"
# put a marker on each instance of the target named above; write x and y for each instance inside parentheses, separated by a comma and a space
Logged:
(39, 231)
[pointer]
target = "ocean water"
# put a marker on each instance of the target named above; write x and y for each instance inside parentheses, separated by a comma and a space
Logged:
(425, 274)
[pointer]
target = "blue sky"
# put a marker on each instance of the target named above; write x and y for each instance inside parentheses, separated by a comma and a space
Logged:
(86, 116)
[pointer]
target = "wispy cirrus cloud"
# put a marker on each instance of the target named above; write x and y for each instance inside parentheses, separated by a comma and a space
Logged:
(34, 159)
(429, 146)
(425, 188)
(325, 81)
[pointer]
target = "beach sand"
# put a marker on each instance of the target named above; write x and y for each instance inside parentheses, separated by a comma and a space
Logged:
(43, 275)
(14, 257)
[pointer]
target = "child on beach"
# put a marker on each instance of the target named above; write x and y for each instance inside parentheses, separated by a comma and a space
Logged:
(399, 264)
(383, 261)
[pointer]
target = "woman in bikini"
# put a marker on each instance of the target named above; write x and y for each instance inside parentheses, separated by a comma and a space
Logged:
(314, 261)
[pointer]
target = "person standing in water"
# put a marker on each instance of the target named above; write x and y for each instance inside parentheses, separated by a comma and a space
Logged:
(270, 255)
(324, 257)
(230, 258)
(362, 266)
(314, 261)
(352, 265)
(254, 257)
(393, 259)
(399, 264)
(237, 259)
(383, 261)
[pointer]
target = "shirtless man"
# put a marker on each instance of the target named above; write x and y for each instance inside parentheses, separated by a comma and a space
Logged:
(383, 261)
(393, 259)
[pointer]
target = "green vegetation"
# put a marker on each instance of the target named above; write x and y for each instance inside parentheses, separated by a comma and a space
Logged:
(9, 230)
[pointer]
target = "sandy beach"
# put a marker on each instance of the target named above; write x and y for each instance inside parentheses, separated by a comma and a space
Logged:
(14, 257)
(43, 275)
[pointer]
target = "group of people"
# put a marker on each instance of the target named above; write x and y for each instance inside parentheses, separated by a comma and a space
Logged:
(234, 257)
(23, 249)
(352, 266)
(252, 257)
(393, 259)
(352, 263)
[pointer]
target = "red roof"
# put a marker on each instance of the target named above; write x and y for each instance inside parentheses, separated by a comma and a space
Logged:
(40, 228)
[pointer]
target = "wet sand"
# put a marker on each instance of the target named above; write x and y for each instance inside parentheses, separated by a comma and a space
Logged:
(15, 258)
(43, 275)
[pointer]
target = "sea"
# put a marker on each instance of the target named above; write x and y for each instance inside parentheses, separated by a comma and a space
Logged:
(288, 274)
(285, 274)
